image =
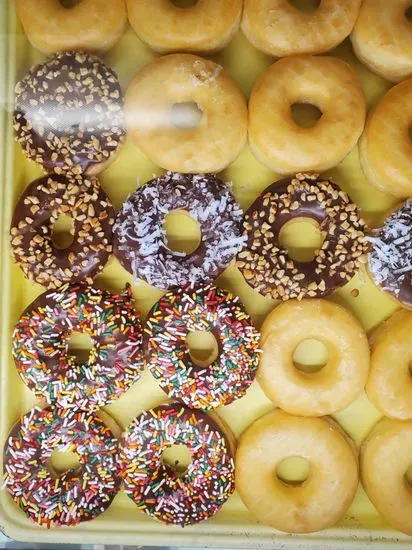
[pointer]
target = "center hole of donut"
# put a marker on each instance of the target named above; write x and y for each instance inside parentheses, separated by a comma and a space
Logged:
(177, 458)
(186, 115)
(62, 232)
(293, 470)
(59, 463)
(305, 5)
(410, 133)
(305, 115)
(310, 356)
(408, 13)
(79, 346)
(301, 238)
(183, 234)
(184, 3)
(203, 347)
(69, 4)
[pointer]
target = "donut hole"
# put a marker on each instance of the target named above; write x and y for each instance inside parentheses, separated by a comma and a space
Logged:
(79, 347)
(301, 238)
(186, 115)
(203, 347)
(408, 13)
(310, 356)
(63, 232)
(293, 470)
(305, 115)
(305, 5)
(61, 462)
(182, 232)
(69, 4)
(410, 133)
(177, 458)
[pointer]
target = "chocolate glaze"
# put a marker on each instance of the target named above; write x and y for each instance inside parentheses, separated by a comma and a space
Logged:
(268, 267)
(187, 498)
(40, 346)
(140, 242)
(33, 440)
(33, 248)
(390, 255)
(69, 113)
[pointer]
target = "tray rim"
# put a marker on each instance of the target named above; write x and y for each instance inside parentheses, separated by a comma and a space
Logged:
(337, 537)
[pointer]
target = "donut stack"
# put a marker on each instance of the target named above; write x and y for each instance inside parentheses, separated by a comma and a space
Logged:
(190, 118)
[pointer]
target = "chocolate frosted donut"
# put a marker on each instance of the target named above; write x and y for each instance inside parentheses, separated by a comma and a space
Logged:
(159, 490)
(201, 308)
(69, 113)
(140, 241)
(267, 266)
(40, 346)
(390, 255)
(75, 496)
(31, 231)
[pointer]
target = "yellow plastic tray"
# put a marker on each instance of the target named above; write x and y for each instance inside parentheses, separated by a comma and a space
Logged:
(123, 523)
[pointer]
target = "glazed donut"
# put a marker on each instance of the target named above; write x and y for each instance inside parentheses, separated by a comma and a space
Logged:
(75, 496)
(31, 233)
(207, 26)
(314, 504)
(278, 28)
(40, 346)
(390, 255)
(382, 38)
(326, 82)
(389, 385)
(201, 308)
(181, 80)
(159, 490)
(384, 460)
(338, 383)
(69, 114)
(385, 147)
(54, 26)
(268, 267)
(140, 241)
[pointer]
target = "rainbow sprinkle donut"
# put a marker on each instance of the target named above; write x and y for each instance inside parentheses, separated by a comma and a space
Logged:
(201, 307)
(40, 346)
(75, 496)
(159, 490)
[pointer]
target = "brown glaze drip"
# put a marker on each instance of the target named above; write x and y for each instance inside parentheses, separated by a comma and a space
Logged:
(31, 230)
(69, 113)
(269, 269)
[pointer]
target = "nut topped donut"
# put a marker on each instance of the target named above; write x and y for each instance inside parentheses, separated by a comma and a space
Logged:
(201, 308)
(69, 114)
(267, 266)
(31, 233)
(390, 255)
(48, 499)
(159, 490)
(55, 26)
(140, 241)
(40, 346)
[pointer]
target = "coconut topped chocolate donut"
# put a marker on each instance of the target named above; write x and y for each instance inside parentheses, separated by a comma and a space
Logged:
(140, 241)
(267, 265)
(69, 113)
(390, 255)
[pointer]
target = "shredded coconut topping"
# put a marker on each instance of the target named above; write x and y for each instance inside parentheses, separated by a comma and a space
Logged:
(390, 256)
(140, 238)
